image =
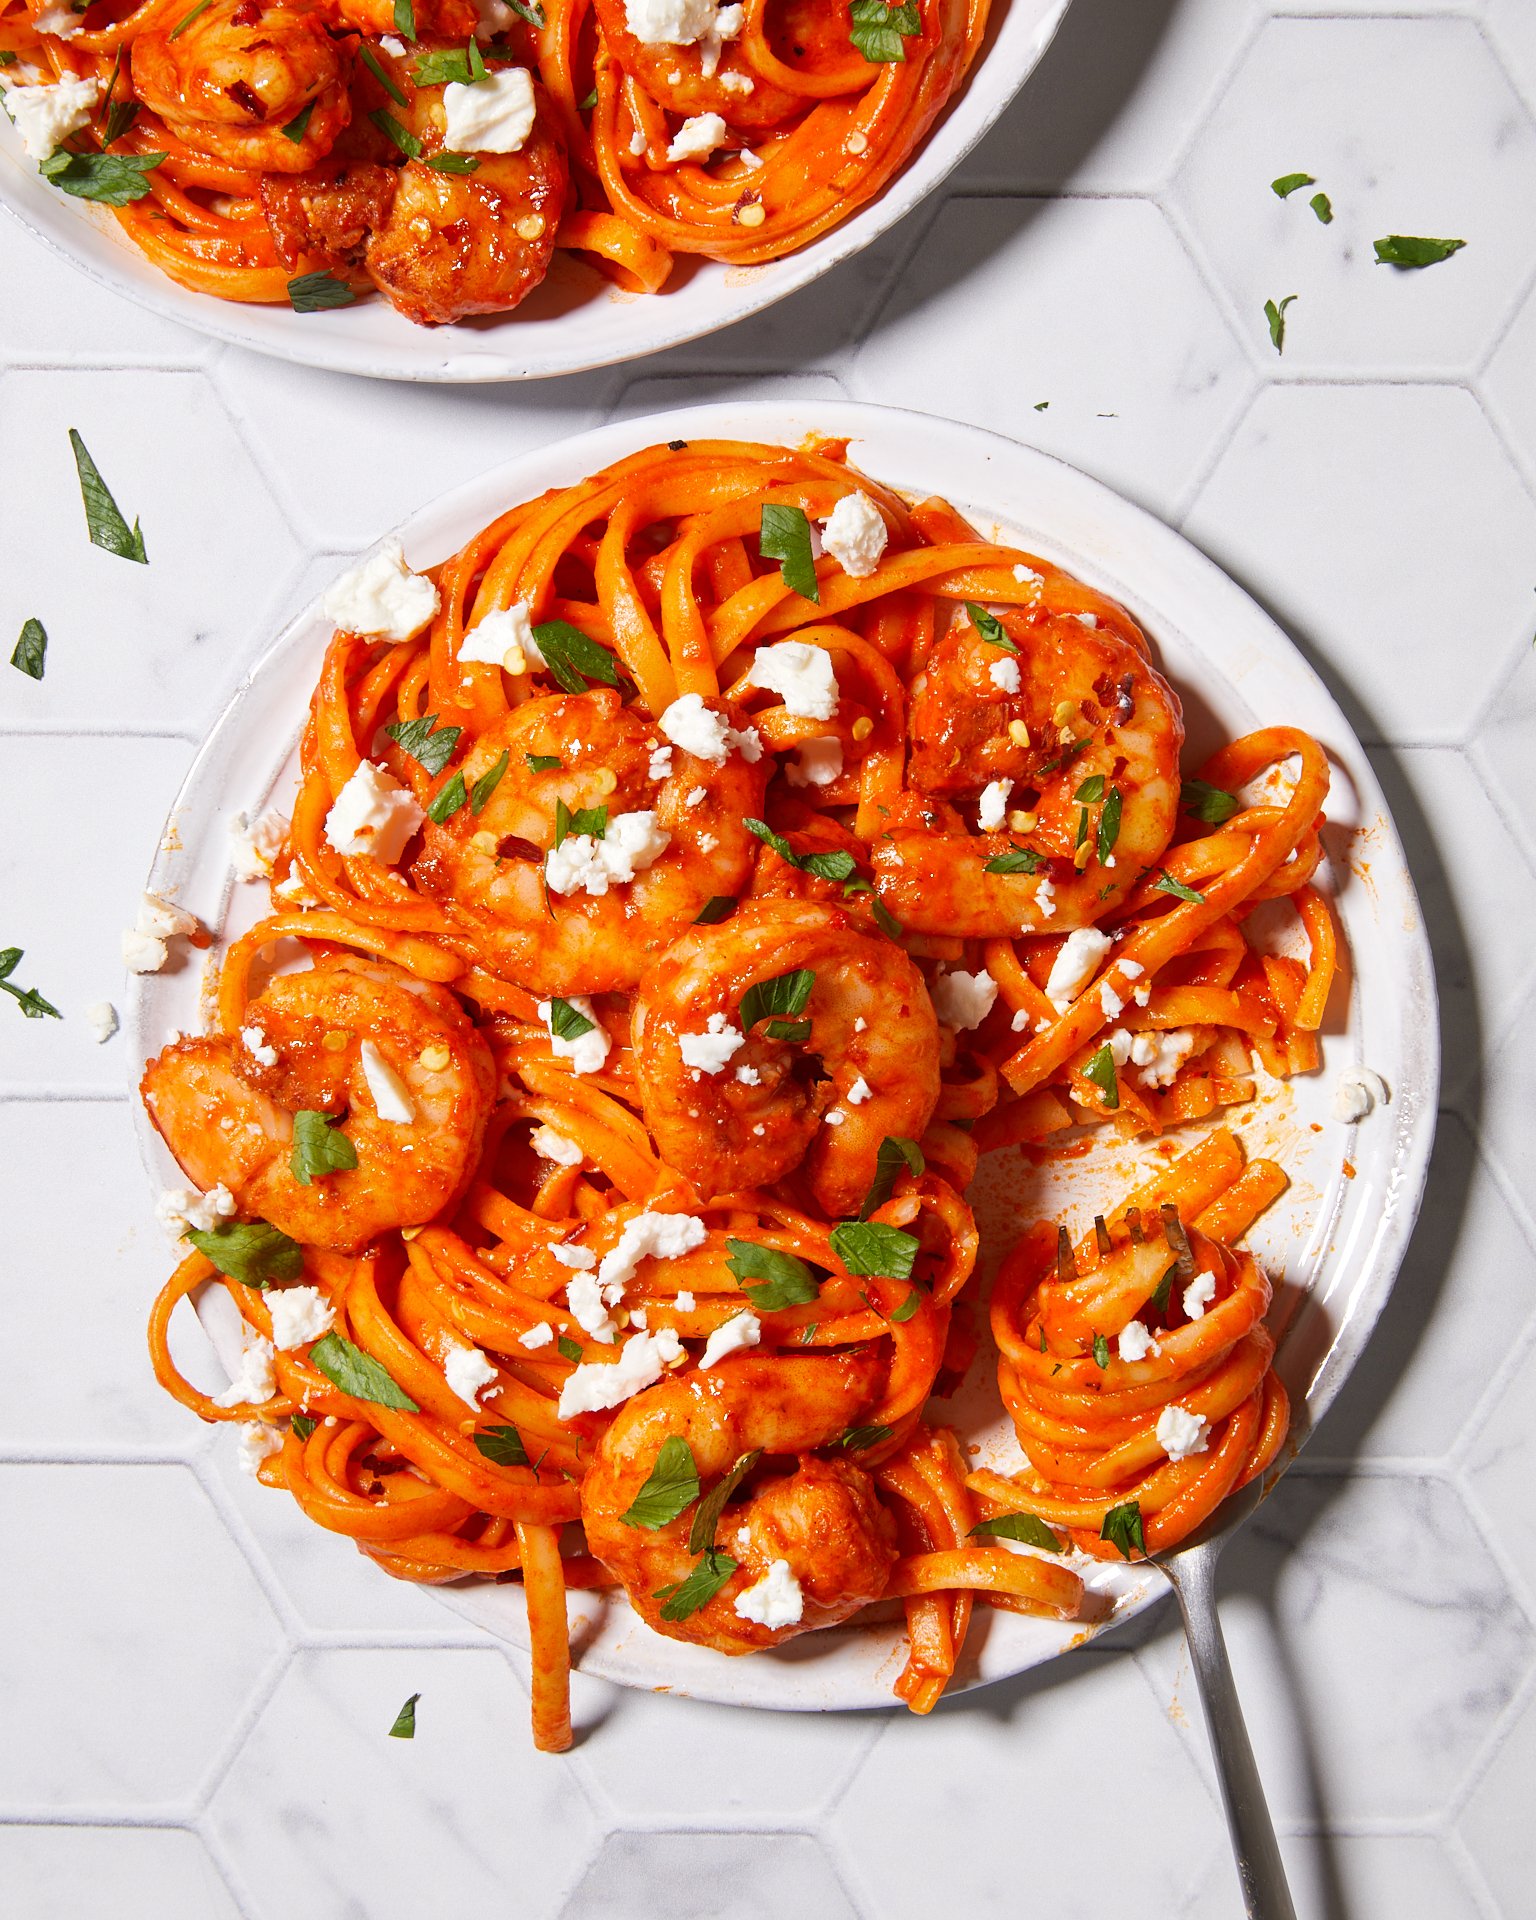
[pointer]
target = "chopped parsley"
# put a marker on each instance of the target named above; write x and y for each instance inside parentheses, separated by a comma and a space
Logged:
(105, 524)
(428, 744)
(1413, 250)
(671, 1485)
(1275, 315)
(1101, 1071)
(31, 650)
(783, 1280)
(784, 534)
(31, 1002)
(319, 1149)
(880, 32)
(359, 1374)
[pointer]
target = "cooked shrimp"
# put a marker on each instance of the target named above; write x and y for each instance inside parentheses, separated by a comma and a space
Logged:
(231, 78)
(460, 243)
(227, 1112)
(1081, 762)
(322, 219)
(868, 1068)
(710, 76)
(493, 871)
(824, 1520)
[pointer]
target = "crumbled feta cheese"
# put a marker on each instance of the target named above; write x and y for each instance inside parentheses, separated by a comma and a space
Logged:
(1161, 1054)
(587, 1051)
(684, 1301)
(964, 1000)
(992, 808)
(660, 764)
(748, 1076)
(579, 1258)
(101, 1018)
(707, 843)
(748, 158)
(45, 117)
(554, 1146)
(494, 115)
(1027, 577)
(860, 1024)
(669, 23)
(255, 1383)
(1075, 966)
(299, 1315)
(854, 534)
(859, 1092)
(540, 1334)
(396, 49)
(62, 22)
(1111, 1002)
(775, 1601)
(1132, 969)
(585, 1298)
(182, 1209)
(1359, 1090)
(374, 814)
(1142, 995)
(697, 139)
(1045, 897)
(1136, 1341)
(1020, 1022)
(742, 1330)
(382, 597)
(694, 795)
(141, 954)
(391, 1097)
(580, 864)
(503, 638)
(802, 676)
(711, 1050)
(258, 1046)
(697, 729)
(468, 1373)
(1120, 1046)
(1199, 1294)
(257, 1442)
(293, 892)
(599, 1384)
(817, 764)
(1181, 1433)
(255, 844)
(833, 1117)
(655, 1236)
(162, 919)
(637, 144)
(1089, 619)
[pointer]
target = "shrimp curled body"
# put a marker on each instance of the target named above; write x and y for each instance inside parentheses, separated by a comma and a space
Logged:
(824, 1520)
(226, 1110)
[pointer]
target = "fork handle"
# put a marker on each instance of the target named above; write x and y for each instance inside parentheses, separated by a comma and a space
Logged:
(1260, 1871)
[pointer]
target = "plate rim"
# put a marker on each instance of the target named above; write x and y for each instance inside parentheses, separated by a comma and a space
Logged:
(121, 270)
(1415, 1095)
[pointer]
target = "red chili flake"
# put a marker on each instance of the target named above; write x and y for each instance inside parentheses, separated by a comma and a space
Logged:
(246, 99)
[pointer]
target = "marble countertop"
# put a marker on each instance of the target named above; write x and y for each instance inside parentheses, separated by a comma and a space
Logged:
(195, 1683)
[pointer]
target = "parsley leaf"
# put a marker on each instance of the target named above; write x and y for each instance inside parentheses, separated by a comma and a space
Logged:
(1165, 883)
(120, 117)
(1275, 315)
(105, 524)
(1204, 802)
(359, 1374)
(1109, 825)
(1067, 755)
(252, 1252)
(443, 64)
(1091, 790)
(701, 1535)
(836, 864)
(871, 1247)
(569, 1349)
(31, 1002)
(1159, 1300)
(449, 162)
(403, 138)
(318, 1149)
(1288, 183)
(1101, 1071)
(502, 1445)
(877, 30)
(784, 534)
(315, 292)
(885, 920)
(573, 659)
(405, 19)
(684, 1597)
(110, 179)
(428, 744)
(895, 1153)
(303, 1426)
(1122, 1528)
(785, 993)
(857, 1439)
(1322, 206)
(786, 1280)
(586, 106)
(28, 655)
(671, 1485)
(380, 73)
(542, 762)
(908, 1307)
(989, 627)
(405, 1720)
(1015, 860)
(590, 821)
(531, 11)
(187, 18)
(1100, 1351)
(448, 800)
(718, 907)
(298, 126)
(1413, 250)
(1019, 1526)
(480, 793)
(567, 1022)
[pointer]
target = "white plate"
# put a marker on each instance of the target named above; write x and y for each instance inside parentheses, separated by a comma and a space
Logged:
(1336, 1239)
(577, 319)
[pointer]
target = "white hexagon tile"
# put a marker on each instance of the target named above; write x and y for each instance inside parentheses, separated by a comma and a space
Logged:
(197, 1687)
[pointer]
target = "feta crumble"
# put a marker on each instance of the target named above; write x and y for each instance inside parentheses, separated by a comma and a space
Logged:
(503, 638)
(599, 1384)
(1027, 577)
(659, 767)
(817, 764)
(254, 1383)
(992, 808)
(1161, 1055)
(775, 1601)
(580, 864)
(391, 1097)
(1199, 1294)
(655, 1236)
(494, 115)
(382, 597)
(299, 1315)
(468, 1373)
(697, 139)
(684, 1301)
(710, 1051)
(584, 1296)
(587, 1051)
(45, 117)
(183, 1209)
(540, 1334)
(257, 1442)
(964, 1000)
(1181, 1433)
(800, 674)
(1045, 897)
(550, 1145)
(101, 1019)
(1004, 673)
(859, 1092)
(854, 533)
(1136, 1341)
(258, 1046)
(704, 732)
(374, 814)
(255, 844)
(1075, 965)
(742, 1330)
(1359, 1091)
(578, 1258)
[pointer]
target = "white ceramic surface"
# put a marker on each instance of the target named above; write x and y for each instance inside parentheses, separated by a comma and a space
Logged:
(1336, 1240)
(576, 319)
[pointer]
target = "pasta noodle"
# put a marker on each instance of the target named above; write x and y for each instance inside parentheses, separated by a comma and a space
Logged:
(670, 894)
